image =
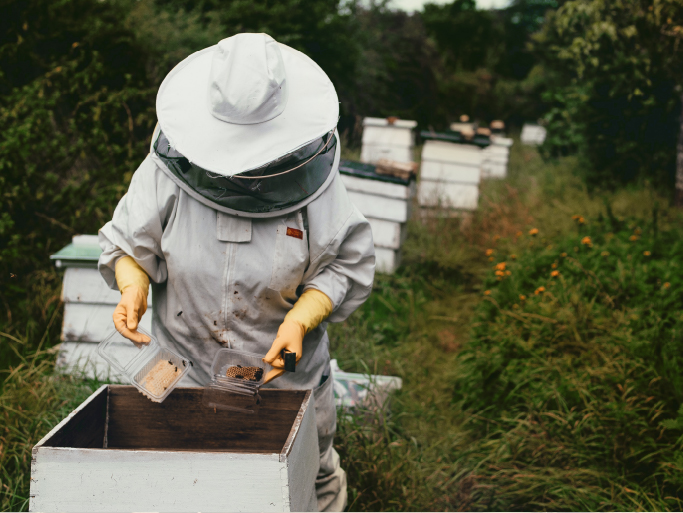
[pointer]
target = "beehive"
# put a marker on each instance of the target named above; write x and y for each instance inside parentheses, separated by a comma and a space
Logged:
(450, 175)
(532, 135)
(495, 158)
(119, 452)
(88, 307)
(383, 139)
(385, 202)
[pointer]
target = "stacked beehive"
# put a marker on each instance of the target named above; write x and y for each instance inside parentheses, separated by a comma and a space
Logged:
(385, 202)
(389, 138)
(495, 159)
(533, 135)
(449, 176)
(88, 308)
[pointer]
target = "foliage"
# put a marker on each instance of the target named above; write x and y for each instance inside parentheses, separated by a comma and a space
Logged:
(614, 77)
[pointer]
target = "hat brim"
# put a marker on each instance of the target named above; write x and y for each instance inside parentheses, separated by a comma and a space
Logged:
(228, 149)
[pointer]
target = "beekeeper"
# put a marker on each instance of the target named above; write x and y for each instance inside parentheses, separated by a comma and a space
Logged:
(241, 223)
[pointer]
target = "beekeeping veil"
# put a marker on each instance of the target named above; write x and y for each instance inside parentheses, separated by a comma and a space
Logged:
(248, 127)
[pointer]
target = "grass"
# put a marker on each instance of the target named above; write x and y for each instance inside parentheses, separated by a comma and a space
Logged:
(567, 399)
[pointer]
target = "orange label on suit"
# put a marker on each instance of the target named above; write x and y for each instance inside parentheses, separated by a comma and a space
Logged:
(293, 232)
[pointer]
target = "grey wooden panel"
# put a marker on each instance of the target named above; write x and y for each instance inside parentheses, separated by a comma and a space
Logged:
(380, 207)
(87, 322)
(83, 285)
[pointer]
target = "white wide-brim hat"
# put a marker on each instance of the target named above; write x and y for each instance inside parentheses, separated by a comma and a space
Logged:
(244, 103)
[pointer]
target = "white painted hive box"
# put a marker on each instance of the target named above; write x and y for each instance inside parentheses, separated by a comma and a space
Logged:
(449, 175)
(384, 140)
(533, 135)
(120, 452)
(88, 308)
(386, 204)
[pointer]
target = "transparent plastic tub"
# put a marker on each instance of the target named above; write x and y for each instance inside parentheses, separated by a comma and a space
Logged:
(236, 379)
(154, 370)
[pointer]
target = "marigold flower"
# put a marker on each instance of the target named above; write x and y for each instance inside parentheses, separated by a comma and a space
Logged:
(563, 255)
(605, 253)
(646, 253)
(522, 297)
(500, 266)
(518, 234)
(554, 266)
(507, 273)
(555, 274)
(491, 259)
(582, 220)
(489, 252)
(575, 217)
(487, 292)
(667, 285)
(587, 241)
(513, 257)
(533, 232)
(500, 273)
(539, 290)
(633, 238)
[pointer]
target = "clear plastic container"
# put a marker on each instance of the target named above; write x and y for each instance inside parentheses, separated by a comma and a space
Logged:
(153, 370)
(236, 379)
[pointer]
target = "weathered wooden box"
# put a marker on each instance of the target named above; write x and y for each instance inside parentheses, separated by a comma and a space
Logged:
(120, 452)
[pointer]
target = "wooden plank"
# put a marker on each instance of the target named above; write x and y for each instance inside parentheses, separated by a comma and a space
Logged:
(377, 188)
(83, 427)
(450, 172)
(372, 153)
(83, 285)
(183, 422)
(94, 480)
(82, 359)
(386, 260)
(303, 461)
(448, 195)
(387, 234)
(87, 322)
(443, 151)
(388, 136)
(379, 207)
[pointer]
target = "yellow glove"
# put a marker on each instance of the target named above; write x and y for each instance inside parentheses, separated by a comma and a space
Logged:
(133, 283)
(308, 312)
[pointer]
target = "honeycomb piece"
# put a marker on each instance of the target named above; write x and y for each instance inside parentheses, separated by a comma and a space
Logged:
(161, 376)
(249, 373)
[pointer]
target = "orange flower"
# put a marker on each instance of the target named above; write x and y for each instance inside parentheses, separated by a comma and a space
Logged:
(513, 257)
(489, 252)
(522, 297)
(500, 266)
(533, 232)
(518, 234)
(507, 273)
(563, 255)
(500, 273)
(491, 259)
(582, 220)
(539, 290)
(646, 253)
(575, 217)
(587, 241)
(633, 238)
(487, 292)
(637, 231)
(554, 266)
(555, 274)
(667, 285)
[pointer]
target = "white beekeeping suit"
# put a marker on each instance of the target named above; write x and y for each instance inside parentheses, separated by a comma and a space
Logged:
(238, 210)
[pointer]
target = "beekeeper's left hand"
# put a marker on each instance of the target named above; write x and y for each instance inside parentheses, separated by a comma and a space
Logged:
(308, 312)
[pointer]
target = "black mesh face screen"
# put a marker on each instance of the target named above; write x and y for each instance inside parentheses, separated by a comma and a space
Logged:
(279, 185)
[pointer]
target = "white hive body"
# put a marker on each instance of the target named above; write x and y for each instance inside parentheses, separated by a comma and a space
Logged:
(385, 140)
(495, 162)
(120, 452)
(450, 175)
(88, 308)
(533, 135)
(385, 202)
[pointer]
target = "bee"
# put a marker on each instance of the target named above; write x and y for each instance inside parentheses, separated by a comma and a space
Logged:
(191, 364)
(170, 362)
(184, 363)
(176, 369)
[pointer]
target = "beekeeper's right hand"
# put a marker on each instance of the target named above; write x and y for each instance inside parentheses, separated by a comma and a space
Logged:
(133, 283)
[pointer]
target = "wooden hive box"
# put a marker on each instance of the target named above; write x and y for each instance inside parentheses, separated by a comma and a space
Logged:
(385, 140)
(385, 201)
(449, 175)
(120, 452)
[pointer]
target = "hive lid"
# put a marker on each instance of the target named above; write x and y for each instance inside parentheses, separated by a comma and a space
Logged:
(363, 170)
(127, 356)
(83, 251)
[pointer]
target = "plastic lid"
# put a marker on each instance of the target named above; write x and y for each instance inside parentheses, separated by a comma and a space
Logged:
(127, 356)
